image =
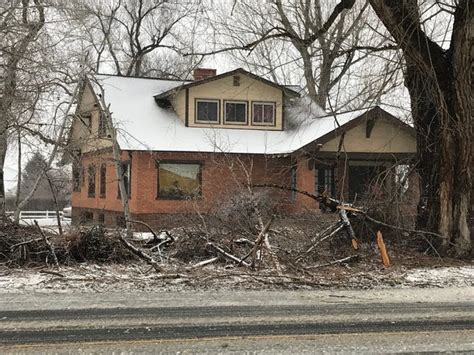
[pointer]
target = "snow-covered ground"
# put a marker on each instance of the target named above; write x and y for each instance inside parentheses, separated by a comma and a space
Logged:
(139, 277)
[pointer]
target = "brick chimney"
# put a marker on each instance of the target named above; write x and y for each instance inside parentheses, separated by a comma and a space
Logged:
(203, 73)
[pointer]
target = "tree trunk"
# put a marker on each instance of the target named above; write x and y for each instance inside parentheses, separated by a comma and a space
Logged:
(439, 82)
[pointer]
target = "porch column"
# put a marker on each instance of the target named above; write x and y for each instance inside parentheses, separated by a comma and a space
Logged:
(305, 181)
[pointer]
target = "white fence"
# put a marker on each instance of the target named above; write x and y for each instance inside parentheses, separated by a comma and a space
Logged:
(36, 214)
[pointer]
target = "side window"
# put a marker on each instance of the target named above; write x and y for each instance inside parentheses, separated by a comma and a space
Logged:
(263, 113)
(235, 112)
(91, 181)
(325, 180)
(207, 111)
(179, 181)
(103, 180)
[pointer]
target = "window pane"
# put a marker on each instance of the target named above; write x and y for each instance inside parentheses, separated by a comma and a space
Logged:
(268, 114)
(103, 174)
(235, 112)
(258, 113)
(207, 111)
(179, 181)
(91, 184)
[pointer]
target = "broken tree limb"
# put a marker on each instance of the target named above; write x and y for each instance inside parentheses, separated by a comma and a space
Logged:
(227, 255)
(343, 260)
(349, 230)
(273, 256)
(335, 229)
(147, 226)
(48, 244)
(205, 262)
(140, 254)
(383, 249)
(14, 246)
(259, 239)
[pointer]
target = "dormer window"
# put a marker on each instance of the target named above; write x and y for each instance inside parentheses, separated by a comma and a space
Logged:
(263, 113)
(235, 112)
(207, 111)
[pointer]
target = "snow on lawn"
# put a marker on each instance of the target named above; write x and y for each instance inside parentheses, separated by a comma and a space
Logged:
(443, 276)
(139, 277)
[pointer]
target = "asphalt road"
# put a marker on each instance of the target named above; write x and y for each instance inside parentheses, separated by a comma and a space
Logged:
(194, 327)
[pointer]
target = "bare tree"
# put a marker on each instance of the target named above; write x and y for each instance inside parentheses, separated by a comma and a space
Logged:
(311, 41)
(439, 82)
(130, 35)
(17, 35)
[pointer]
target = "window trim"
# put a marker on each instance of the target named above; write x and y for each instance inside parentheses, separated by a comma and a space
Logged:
(196, 101)
(245, 123)
(183, 162)
(273, 104)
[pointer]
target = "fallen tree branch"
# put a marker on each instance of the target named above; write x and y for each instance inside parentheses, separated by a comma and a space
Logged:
(147, 226)
(228, 256)
(14, 246)
(273, 256)
(52, 273)
(205, 262)
(48, 244)
(259, 239)
(140, 254)
(337, 227)
(349, 258)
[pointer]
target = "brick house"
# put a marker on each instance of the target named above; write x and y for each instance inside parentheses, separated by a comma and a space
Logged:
(186, 145)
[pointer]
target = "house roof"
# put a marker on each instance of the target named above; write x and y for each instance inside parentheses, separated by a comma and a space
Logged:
(143, 125)
(286, 88)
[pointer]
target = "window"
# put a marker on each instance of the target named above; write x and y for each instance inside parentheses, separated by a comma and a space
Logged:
(325, 180)
(263, 113)
(101, 218)
(76, 177)
(179, 181)
(102, 180)
(87, 217)
(207, 111)
(235, 112)
(127, 179)
(91, 181)
(102, 129)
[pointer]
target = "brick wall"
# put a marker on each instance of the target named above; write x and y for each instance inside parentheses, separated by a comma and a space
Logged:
(222, 176)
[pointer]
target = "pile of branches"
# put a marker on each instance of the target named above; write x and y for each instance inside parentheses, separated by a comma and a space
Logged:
(31, 245)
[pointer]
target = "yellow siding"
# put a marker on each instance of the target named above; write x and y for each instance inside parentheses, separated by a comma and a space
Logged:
(81, 136)
(223, 89)
(386, 137)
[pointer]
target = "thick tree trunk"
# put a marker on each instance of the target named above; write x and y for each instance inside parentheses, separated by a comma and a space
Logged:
(439, 83)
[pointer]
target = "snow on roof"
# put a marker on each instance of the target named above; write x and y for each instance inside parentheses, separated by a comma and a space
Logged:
(143, 125)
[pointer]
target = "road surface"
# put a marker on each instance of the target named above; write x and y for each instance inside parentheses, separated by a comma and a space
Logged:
(225, 322)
